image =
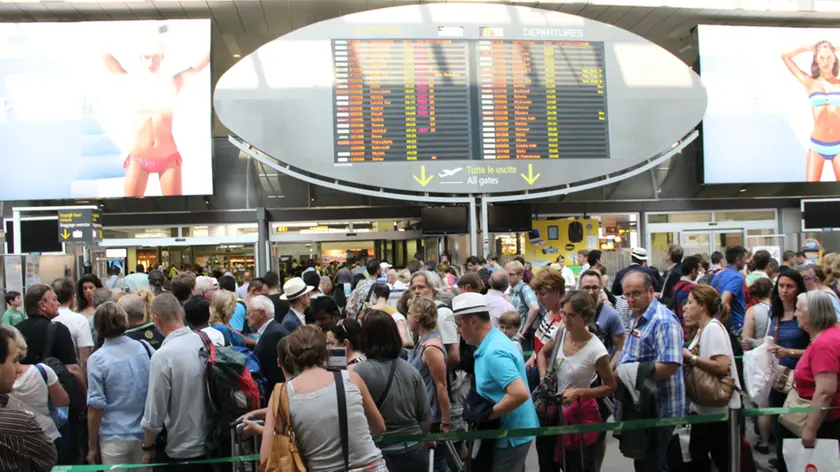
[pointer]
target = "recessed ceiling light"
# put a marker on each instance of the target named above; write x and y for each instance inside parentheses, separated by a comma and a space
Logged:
(236, 56)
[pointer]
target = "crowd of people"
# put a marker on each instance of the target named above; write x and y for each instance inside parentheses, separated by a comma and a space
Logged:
(99, 374)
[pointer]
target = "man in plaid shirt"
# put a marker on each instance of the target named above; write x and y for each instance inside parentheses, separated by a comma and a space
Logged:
(656, 336)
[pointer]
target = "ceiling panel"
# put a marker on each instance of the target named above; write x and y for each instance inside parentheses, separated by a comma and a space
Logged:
(635, 15)
(612, 14)
(227, 17)
(252, 16)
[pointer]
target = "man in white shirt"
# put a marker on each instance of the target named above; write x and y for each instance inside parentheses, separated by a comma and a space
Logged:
(495, 297)
(242, 291)
(138, 280)
(65, 291)
(568, 275)
(582, 260)
(115, 281)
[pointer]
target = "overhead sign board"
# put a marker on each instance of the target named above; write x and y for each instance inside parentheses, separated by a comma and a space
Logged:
(464, 98)
(79, 226)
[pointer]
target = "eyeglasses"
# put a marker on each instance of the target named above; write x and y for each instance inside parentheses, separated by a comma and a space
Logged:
(341, 323)
(591, 288)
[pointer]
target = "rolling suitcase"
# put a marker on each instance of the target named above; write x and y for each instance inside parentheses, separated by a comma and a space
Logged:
(240, 445)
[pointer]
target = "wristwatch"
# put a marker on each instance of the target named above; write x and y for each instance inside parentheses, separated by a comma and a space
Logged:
(693, 360)
(147, 448)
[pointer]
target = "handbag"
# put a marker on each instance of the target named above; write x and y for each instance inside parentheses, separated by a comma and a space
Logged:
(704, 388)
(795, 422)
(546, 401)
(284, 455)
(783, 380)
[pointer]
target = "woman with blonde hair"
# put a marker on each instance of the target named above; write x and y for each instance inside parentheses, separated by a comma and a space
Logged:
(148, 297)
(35, 390)
(429, 358)
(222, 307)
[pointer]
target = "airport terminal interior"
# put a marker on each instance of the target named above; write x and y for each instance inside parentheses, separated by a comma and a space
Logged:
(372, 140)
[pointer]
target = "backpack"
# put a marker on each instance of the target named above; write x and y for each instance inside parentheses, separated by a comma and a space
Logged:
(675, 304)
(595, 328)
(709, 276)
(252, 363)
(230, 391)
(575, 232)
(78, 398)
(59, 414)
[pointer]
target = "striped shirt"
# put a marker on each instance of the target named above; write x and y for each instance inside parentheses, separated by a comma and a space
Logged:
(657, 336)
(23, 445)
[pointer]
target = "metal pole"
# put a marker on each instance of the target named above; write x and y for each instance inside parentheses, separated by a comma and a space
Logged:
(473, 229)
(734, 440)
(261, 259)
(16, 227)
(484, 225)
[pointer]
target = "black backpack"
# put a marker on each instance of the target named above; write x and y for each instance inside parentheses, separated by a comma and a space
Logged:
(575, 232)
(78, 399)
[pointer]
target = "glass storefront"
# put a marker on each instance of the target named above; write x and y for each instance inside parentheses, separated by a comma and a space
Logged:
(706, 232)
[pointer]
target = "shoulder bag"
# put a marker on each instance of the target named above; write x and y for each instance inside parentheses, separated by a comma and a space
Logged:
(384, 394)
(546, 401)
(795, 422)
(783, 381)
(341, 398)
(704, 388)
(284, 455)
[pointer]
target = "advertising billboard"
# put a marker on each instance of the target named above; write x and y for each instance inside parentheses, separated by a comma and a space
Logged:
(774, 104)
(105, 109)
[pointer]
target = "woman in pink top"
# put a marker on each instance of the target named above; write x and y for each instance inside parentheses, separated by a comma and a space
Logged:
(816, 374)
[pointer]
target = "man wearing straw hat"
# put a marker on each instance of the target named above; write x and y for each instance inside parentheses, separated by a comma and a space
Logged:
(298, 295)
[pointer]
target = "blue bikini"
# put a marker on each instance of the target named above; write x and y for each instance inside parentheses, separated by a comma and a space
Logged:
(827, 149)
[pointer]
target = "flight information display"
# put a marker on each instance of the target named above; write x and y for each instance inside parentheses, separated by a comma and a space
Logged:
(542, 99)
(434, 99)
(401, 100)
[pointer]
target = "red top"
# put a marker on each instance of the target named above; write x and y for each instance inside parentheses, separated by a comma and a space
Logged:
(823, 355)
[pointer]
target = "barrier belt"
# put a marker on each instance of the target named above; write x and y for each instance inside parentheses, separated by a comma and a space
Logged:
(494, 434)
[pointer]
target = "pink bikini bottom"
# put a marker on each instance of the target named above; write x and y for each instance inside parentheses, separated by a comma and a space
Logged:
(154, 166)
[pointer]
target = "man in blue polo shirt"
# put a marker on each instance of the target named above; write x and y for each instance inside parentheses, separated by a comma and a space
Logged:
(730, 285)
(499, 378)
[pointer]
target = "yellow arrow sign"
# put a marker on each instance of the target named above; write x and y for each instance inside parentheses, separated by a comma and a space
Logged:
(423, 180)
(65, 234)
(530, 178)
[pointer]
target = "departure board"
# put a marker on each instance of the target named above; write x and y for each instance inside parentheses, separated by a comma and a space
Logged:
(402, 100)
(542, 99)
(432, 99)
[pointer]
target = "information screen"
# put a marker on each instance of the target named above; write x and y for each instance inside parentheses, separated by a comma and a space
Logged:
(542, 99)
(401, 100)
(434, 99)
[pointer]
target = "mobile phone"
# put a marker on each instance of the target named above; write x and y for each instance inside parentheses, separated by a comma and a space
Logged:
(337, 359)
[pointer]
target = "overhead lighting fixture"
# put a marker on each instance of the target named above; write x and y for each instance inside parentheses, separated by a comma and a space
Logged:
(237, 56)
(743, 189)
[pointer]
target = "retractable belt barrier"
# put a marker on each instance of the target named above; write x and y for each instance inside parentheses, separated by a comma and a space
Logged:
(494, 434)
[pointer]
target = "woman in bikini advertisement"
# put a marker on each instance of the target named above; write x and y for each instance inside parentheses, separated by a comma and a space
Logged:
(106, 109)
(774, 104)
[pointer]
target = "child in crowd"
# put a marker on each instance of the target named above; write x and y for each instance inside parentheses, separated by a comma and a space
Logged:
(13, 315)
(509, 323)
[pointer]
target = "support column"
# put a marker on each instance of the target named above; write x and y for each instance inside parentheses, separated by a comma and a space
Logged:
(485, 234)
(261, 256)
(473, 228)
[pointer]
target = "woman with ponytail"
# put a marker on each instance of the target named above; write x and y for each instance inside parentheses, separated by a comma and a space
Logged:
(706, 308)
